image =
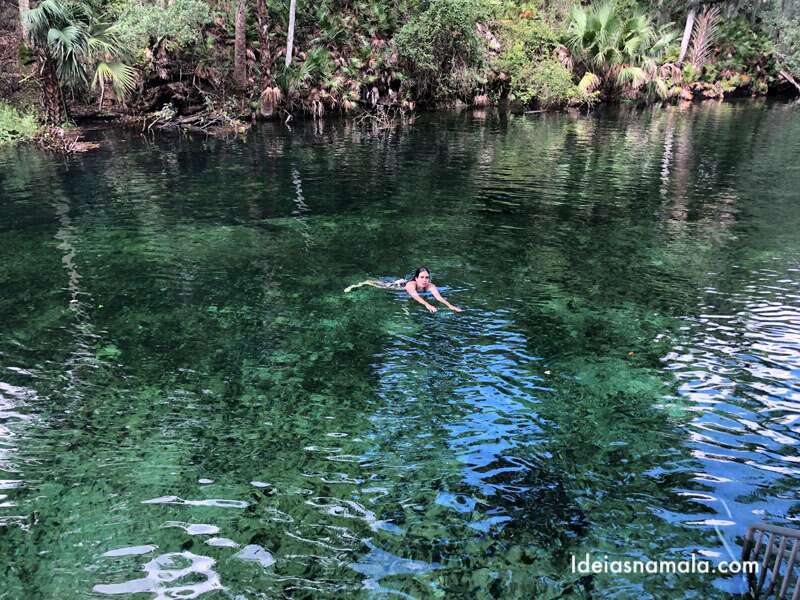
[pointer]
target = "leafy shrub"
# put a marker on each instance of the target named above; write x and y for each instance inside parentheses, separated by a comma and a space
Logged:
(742, 49)
(690, 73)
(547, 81)
(537, 35)
(140, 24)
(528, 44)
(440, 45)
(525, 40)
(14, 126)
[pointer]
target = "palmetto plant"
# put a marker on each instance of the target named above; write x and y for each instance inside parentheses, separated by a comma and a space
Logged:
(617, 51)
(70, 44)
(108, 71)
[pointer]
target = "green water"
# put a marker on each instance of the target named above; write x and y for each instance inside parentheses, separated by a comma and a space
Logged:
(190, 406)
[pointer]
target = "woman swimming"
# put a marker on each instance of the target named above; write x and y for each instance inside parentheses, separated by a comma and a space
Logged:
(419, 282)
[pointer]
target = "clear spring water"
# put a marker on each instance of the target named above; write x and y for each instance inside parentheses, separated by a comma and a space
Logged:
(190, 406)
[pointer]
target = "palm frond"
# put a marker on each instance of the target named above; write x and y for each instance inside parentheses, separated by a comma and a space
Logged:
(577, 28)
(66, 38)
(703, 36)
(40, 19)
(319, 63)
(79, 11)
(664, 38)
(589, 83)
(633, 77)
(122, 78)
(304, 72)
(67, 46)
(102, 39)
(604, 41)
(605, 15)
(632, 45)
(662, 89)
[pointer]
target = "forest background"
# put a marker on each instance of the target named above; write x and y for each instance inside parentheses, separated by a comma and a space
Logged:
(198, 63)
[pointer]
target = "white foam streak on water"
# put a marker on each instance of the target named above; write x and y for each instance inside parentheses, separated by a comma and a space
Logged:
(217, 502)
(164, 576)
(130, 551)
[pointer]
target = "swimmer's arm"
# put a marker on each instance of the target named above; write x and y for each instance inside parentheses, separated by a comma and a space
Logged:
(411, 288)
(435, 291)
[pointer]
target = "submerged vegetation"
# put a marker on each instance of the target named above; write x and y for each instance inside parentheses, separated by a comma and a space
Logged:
(570, 409)
(243, 59)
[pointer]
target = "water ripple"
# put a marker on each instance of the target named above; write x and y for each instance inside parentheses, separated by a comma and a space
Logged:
(738, 372)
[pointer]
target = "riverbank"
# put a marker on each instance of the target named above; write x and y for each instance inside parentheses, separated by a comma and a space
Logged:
(216, 67)
(71, 140)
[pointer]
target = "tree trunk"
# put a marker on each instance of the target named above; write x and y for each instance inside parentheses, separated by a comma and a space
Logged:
(265, 58)
(24, 7)
(52, 95)
(239, 48)
(290, 36)
(687, 33)
(788, 77)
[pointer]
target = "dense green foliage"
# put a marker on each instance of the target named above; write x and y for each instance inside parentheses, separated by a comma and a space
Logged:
(528, 47)
(442, 49)
(15, 126)
(371, 54)
(788, 45)
(622, 51)
(744, 58)
(546, 81)
(139, 25)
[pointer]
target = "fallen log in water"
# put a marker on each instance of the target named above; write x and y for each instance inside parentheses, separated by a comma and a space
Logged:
(208, 122)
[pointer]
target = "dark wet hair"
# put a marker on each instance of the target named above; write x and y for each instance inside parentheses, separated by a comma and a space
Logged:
(420, 270)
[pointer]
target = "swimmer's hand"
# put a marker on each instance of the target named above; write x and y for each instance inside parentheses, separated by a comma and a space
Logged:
(451, 307)
(431, 308)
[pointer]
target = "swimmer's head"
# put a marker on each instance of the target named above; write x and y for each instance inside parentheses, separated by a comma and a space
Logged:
(422, 275)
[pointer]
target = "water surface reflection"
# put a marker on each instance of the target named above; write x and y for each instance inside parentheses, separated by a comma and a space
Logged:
(190, 406)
